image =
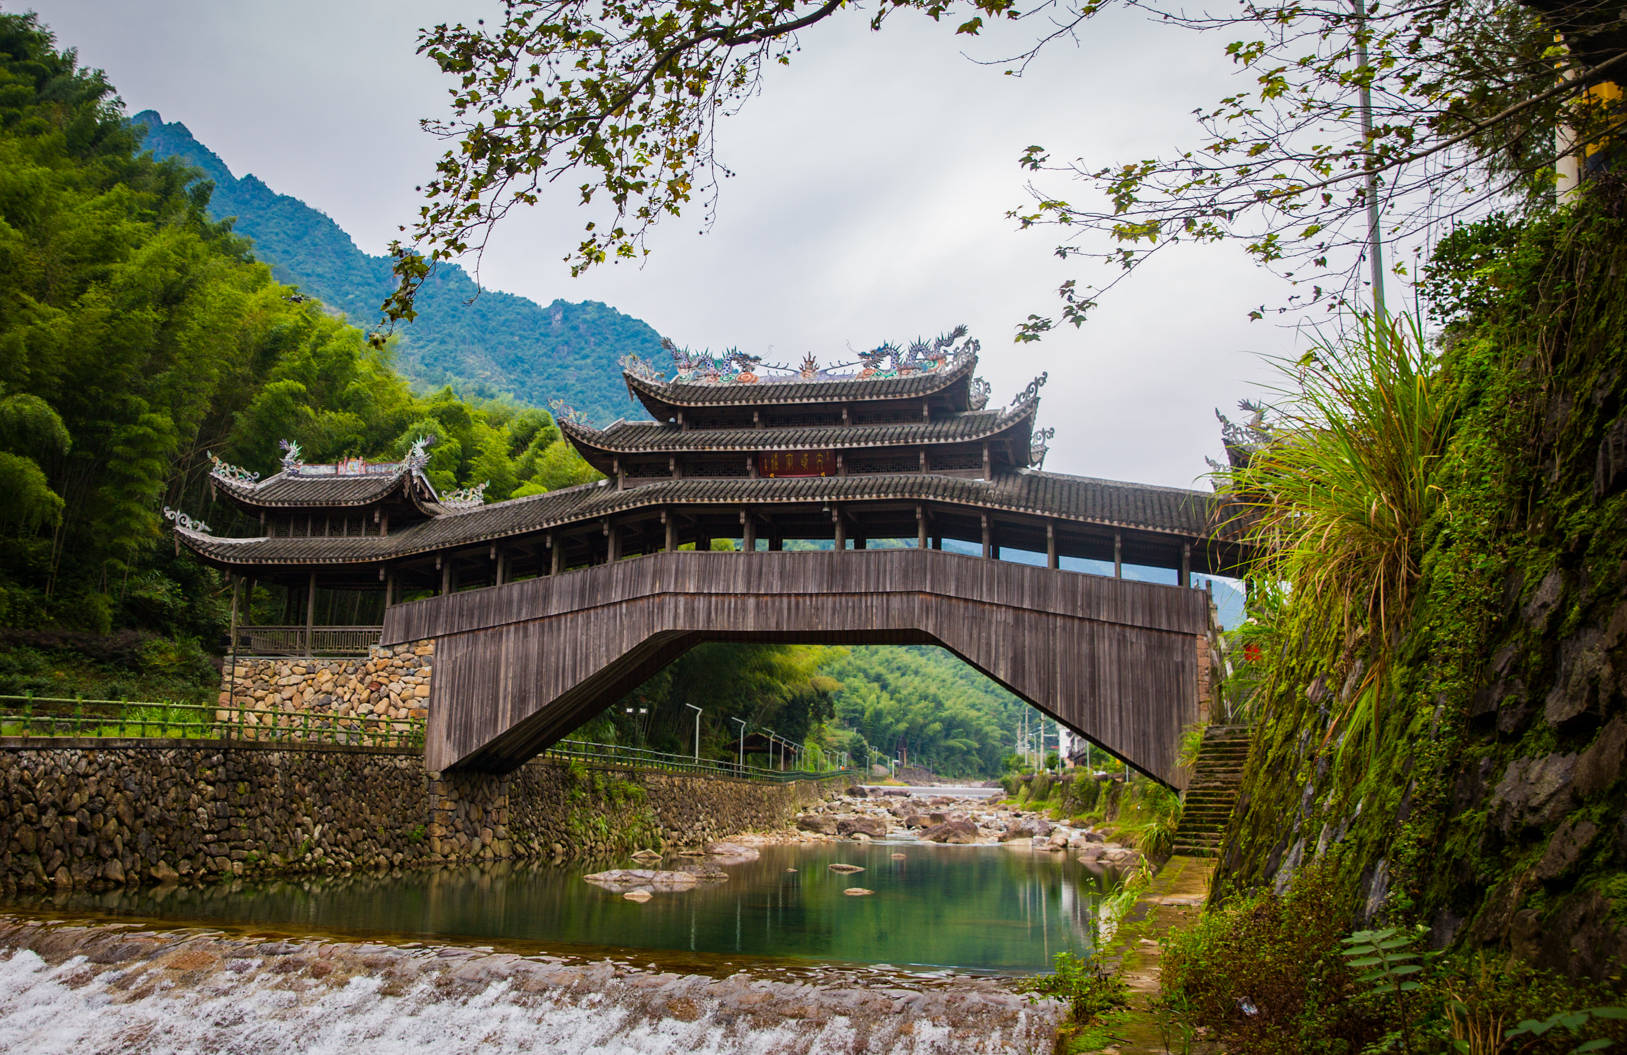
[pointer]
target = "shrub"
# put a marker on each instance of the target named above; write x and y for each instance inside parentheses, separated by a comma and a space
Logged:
(1266, 974)
(1090, 989)
(1039, 789)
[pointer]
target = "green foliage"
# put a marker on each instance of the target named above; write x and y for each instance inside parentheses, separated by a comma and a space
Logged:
(137, 336)
(1089, 988)
(1338, 498)
(1575, 1023)
(1389, 962)
(1264, 972)
(924, 701)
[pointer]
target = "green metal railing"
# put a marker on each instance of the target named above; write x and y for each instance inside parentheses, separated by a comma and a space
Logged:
(644, 758)
(60, 717)
(32, 716)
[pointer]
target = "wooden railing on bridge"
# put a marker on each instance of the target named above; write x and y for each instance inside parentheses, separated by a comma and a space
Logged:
(305, 641)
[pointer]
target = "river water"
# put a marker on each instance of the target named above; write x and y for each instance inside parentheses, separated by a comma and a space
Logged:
(979, 909)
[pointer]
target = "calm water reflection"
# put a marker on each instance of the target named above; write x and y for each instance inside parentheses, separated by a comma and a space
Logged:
(983, 908)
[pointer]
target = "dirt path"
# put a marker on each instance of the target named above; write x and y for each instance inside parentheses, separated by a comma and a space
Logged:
(1171, 902)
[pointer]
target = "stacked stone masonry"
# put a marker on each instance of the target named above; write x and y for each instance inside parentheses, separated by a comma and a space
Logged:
(91, 815)
(390, 683)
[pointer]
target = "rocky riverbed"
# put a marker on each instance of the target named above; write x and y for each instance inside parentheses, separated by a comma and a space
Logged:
(861, 815)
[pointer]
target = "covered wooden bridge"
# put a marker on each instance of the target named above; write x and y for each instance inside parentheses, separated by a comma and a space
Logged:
(885, 506)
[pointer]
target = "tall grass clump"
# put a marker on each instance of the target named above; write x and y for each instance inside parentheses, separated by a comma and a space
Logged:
(1336, 499)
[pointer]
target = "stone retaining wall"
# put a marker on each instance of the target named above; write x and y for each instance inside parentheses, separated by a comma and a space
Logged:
(106, 813)
(387, 683)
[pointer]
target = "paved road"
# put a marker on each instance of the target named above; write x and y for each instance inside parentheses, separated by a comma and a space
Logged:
(937, 789)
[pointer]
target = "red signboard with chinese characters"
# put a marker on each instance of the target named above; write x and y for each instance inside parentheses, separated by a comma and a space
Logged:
(796, 463)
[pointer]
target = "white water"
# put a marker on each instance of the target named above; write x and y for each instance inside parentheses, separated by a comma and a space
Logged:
(148, 1001)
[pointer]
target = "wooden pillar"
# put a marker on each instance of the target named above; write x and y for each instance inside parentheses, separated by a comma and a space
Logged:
(1118, 555)
(671, 524)
(776, 542)
(920, 522)
(389, 587)
(444, 561)
(556, 556)
(232, 578)
(310, 610)
(860, 541)
(987, 463)
(703, 543)
(612, 542)
(988, 537)
(615, 470)
(500, 574)
(751, 465)
(937, 542)
(838, 530)
(1186, 564)
(748, 532)
(1051, 560)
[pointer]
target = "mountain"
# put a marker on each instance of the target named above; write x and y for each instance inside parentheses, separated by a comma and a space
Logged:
(487, 345)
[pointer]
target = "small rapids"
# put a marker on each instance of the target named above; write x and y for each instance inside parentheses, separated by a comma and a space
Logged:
(114, 988)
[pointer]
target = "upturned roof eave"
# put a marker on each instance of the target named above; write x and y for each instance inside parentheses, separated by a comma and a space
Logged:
(216, 550)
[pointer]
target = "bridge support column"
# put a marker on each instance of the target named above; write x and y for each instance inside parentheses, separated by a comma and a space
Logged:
(920, 516)
(1051, 560)
(1186, 565)
(556, 556)
(748, 533)
(1118, 555)
(988, 538)
(670, 524)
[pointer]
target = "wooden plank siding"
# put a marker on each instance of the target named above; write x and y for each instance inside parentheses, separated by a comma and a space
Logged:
(520, 665)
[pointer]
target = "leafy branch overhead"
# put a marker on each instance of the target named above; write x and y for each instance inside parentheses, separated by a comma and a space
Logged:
(617, 103)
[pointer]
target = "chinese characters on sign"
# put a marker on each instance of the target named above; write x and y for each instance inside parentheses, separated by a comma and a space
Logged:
(796, 463)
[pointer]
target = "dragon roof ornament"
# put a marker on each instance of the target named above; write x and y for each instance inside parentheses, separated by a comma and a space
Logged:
(978, 396)
(180, 519)
(564, 412)
(227, 471)
(736, 367)
(293, 457)
(466, 497)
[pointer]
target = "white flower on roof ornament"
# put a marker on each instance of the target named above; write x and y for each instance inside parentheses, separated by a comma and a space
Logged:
(1038, 446)
(1032, 391)
(293, 458)
(227, 471)
(466, 497)
(181, 520)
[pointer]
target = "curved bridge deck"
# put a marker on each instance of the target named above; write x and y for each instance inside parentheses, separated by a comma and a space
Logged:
(518, 666)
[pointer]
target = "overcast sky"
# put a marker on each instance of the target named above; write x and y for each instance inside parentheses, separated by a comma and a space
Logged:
(873, 178)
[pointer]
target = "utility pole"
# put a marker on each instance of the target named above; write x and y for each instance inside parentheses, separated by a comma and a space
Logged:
(740, 758)
(1375, 241)
(697, 711)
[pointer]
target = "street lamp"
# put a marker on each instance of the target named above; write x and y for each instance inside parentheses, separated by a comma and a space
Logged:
(697, 711)
(740, 760)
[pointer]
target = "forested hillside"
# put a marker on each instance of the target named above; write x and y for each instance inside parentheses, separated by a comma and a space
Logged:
(136, 336)
(482, 343)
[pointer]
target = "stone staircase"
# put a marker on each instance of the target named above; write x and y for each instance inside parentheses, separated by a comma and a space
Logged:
(1210, 797)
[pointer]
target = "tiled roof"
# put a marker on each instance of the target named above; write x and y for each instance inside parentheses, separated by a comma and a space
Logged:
(651, 436)
(829, 390)
(1164, 510)
(313, 491)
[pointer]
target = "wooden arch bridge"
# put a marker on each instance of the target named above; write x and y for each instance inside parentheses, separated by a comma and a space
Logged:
(839, 498)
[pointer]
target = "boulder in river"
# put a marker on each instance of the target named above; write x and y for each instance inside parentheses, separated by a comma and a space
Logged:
(646, 855)
(811, 822)
(859, 791)
(915, 820)
(623, 880)
(861, 826)
(1017, 831)
(957, 831)
(845, 869)
(732, 853)
(857, 891)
